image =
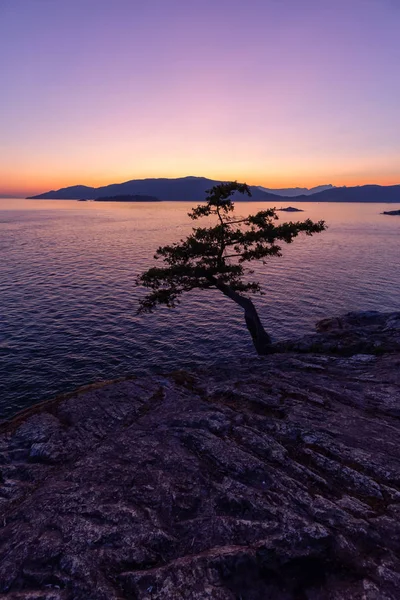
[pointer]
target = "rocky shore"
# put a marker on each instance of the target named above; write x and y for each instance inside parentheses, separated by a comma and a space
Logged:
(271, 478)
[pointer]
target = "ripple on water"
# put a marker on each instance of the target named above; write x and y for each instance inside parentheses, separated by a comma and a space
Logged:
(68, 300)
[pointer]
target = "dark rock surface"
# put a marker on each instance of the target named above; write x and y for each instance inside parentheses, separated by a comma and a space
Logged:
(354, 333)
(275, 478)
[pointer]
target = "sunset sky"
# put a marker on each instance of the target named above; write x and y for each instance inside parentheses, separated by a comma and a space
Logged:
(272, 92)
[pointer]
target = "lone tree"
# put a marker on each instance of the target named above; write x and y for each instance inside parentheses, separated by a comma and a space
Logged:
(214, 257)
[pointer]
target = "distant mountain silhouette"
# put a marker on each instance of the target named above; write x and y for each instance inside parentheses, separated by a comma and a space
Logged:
(297, 191)
(362, 193)
(74, 192)
(193, 189)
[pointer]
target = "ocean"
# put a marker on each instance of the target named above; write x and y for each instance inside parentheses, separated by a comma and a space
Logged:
(68, 298)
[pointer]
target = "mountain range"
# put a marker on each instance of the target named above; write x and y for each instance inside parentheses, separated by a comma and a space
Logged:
(193, 189)
(184, 188)
(297, 191)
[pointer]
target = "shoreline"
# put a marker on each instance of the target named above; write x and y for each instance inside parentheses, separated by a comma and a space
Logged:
(267, 476)
(334, 337)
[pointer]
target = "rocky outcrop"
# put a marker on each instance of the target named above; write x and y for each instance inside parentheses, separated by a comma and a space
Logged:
(273, 478)
(354, 333)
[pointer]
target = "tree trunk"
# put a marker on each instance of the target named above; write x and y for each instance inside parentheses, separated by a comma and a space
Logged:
(261, 339)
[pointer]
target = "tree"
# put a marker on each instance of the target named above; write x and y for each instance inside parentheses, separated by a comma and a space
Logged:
(214, 257)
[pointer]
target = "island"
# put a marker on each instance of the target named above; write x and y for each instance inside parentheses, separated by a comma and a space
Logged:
(391, 212)
(194, 189)
(128, 198)
(269, 477)
(290, 209)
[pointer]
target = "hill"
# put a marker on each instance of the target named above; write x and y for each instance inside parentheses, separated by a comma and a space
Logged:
(362, 193)
(74, 192)
(297, 191)
(192, 189)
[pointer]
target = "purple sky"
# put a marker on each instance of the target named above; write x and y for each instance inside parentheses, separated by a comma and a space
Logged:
(273, 92)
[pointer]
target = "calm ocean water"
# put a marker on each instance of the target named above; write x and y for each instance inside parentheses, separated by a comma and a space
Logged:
(68, 300)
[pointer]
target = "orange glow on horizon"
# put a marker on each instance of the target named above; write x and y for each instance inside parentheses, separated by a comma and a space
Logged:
(37, 184)
(169, 96)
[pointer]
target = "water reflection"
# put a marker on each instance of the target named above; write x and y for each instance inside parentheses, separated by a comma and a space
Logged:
(68, 300)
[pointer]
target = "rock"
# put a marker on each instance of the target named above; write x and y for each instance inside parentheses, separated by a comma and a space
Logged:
(290, 209)
(361, 333)
(265, 478)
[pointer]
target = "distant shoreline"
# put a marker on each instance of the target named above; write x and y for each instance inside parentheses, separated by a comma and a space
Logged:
(242, 201)
(127, 198)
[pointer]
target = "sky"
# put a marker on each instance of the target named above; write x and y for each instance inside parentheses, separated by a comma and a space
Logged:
(271, 92)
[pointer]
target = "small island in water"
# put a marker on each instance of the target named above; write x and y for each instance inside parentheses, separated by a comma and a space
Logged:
(128, 198)
(290, 209)
(391, 212)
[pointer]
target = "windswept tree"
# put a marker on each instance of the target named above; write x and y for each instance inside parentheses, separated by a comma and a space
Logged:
(214, 257)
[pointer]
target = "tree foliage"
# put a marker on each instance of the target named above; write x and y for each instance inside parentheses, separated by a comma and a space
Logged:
(216, 256)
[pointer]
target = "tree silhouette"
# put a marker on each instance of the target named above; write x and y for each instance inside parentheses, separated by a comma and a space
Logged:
(214, 257)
